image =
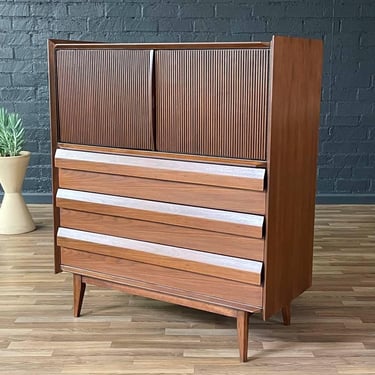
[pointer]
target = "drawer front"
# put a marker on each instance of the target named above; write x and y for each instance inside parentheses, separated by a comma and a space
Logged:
(239, 200)
(170, 281)
(234, 223)
(225, 267)
(166, 234)
(218, 175)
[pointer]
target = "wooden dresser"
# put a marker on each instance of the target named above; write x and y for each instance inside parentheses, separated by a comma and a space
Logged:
(186, 172)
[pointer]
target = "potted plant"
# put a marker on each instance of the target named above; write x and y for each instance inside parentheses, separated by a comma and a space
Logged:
(15, 217)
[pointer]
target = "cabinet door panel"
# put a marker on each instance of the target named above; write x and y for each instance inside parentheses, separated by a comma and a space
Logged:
(105, 97)
(212, 102)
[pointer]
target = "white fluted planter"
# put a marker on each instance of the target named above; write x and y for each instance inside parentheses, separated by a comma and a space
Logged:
(15, 217)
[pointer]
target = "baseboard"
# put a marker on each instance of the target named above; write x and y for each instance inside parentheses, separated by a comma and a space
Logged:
(46, 198)
(345, 199)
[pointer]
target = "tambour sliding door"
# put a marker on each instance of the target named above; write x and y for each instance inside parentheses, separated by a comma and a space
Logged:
(212, 102)
(105, 97)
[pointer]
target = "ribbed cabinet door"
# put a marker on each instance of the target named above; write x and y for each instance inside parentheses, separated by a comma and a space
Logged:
(212, 102)
(105, 97)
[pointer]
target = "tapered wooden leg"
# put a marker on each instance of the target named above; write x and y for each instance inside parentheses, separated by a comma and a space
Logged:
(243, 333)
(78, 293)
(286, 314)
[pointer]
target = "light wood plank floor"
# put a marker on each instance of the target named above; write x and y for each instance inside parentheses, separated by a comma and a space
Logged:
(332, 331)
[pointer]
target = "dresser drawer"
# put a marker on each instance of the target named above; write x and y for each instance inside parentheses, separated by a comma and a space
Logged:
(192, 194)
(166, 280)
(235, 223)
(236, 177)
(225, 267)
(166, 234)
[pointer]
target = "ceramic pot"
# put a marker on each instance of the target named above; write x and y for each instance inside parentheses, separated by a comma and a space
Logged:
(15, 217)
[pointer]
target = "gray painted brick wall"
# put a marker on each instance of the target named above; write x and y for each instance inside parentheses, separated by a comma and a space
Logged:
(347, 142)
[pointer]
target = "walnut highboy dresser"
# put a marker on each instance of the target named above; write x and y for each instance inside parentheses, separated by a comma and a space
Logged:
(186, 172)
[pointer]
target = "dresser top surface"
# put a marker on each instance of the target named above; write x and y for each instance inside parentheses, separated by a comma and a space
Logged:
(67, 44)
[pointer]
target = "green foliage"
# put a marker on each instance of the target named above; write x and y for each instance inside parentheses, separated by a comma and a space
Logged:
(12, 133)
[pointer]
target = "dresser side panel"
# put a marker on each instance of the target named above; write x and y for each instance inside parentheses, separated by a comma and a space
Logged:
(295, 91)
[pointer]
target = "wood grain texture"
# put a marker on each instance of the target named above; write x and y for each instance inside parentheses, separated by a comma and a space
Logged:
(238, 200)
(226, 267)
(170, 170)
(205, 106)
(197, 239)
(331, 332)
(114, 92)
(295, 84)
(236, 223)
